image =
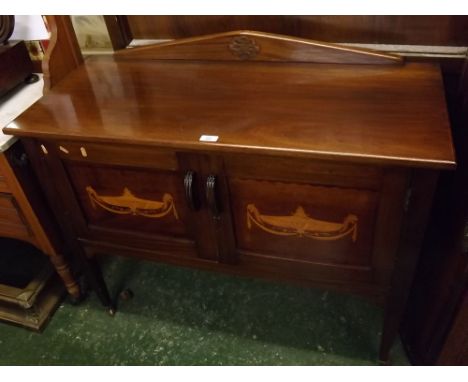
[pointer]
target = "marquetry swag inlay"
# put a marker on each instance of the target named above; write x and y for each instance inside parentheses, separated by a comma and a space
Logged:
(300, 224)
(129, 204)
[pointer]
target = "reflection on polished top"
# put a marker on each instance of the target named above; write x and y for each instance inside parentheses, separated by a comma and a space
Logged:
(389, 114)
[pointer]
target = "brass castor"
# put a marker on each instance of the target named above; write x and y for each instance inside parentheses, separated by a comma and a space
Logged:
(126, 295)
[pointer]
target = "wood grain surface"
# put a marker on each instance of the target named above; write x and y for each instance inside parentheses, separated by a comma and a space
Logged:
(362, 113)
(372, 29)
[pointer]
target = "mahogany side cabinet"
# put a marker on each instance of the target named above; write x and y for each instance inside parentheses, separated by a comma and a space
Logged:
(249, 153)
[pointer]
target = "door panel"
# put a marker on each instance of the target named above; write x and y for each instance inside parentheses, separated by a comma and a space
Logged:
(135, 200)
(304, 222)
(316, 220)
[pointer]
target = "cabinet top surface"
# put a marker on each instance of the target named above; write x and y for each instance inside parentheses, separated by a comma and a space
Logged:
(384, 114)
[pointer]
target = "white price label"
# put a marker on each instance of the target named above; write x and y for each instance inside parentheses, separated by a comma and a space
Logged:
(208, 138)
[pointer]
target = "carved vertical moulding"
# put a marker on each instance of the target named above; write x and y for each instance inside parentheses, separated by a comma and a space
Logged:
(244, 48)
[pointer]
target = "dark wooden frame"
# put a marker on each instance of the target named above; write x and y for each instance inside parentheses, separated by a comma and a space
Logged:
(434, 330)
(119, 31)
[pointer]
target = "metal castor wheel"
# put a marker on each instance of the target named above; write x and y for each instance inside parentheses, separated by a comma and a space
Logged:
(111, 311)
(126, 294)
(31, 79)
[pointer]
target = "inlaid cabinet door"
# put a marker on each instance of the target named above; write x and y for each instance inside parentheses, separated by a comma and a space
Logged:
(304, 222)
(140, 201)
(325, 220)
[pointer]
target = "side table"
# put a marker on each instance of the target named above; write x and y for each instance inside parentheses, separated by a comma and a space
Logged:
(24, 216)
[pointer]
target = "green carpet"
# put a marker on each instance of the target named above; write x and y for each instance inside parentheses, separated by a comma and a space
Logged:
(187, 317)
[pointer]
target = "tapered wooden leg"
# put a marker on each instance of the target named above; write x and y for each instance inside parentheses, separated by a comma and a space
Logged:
(389, 334)
(96, 280)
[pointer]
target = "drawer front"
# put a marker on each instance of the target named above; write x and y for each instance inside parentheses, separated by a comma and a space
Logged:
(123, 155)
(12, 222)
(304, 171)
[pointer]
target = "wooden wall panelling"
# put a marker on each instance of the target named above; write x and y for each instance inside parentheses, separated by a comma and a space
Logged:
(410, 30)
(63, 53)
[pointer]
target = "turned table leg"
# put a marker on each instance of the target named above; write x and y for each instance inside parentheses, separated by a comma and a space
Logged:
(63, 270)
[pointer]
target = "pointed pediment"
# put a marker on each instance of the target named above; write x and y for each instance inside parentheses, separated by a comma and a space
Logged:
(257, 46)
